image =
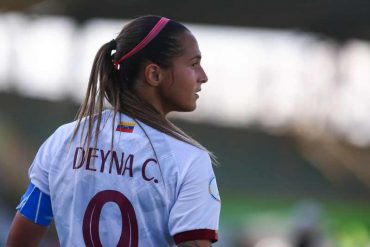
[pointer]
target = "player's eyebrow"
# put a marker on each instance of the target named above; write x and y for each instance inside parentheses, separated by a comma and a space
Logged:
(198, 56)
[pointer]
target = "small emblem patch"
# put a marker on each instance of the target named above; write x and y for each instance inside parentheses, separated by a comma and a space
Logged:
(213, 190)
(127, 127)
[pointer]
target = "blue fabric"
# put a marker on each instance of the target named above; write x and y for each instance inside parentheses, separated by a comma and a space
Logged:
(36, 206)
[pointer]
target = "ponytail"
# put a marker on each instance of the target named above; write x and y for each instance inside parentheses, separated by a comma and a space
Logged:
(100, 86)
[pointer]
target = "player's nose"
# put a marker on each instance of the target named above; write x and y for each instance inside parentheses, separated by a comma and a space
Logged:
(203, 76)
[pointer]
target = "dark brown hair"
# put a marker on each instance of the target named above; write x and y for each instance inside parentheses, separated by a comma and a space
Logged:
(116, 86)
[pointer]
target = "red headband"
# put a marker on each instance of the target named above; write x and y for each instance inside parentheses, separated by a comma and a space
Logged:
(150, 36)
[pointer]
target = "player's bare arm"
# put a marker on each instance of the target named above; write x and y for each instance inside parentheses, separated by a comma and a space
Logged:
(196, 243)
(24, 233)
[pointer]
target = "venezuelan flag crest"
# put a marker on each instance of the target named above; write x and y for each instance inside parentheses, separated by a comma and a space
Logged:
(127, 127)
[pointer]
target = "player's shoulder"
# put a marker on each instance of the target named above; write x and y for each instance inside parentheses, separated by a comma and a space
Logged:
(186, 152)
(189, 161)
(64, 131)
(181, 146)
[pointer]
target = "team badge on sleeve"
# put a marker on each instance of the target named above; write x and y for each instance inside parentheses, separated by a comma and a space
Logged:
(127, 127)
(213, 189)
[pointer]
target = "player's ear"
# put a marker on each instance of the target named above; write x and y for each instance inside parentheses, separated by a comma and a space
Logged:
(153, 74)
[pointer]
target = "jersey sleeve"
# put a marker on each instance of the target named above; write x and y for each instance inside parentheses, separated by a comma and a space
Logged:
(39, 169)
(195, 213)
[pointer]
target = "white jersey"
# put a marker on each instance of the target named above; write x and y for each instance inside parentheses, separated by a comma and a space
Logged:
(143, 192)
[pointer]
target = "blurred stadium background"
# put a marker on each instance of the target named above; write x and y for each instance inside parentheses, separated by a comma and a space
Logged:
(286, 108)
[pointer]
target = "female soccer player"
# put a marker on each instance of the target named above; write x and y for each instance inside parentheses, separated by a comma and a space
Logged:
(126, 176)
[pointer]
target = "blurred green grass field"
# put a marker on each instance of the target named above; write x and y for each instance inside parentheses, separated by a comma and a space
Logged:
(344, 224)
